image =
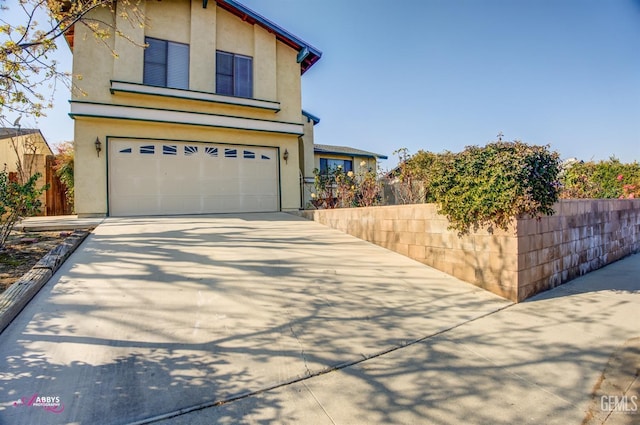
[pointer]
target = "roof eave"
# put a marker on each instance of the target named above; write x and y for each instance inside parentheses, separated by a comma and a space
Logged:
(310, 56)
(311, 117)
(354, 154)
(307, 60)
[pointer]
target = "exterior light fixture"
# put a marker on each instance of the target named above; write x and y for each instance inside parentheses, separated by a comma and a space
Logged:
(285, 155)
(98, 144)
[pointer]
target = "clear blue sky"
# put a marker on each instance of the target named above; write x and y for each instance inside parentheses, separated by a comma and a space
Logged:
(442, 74)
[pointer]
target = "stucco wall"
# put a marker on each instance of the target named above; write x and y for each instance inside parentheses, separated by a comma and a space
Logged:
(275, 68)
(90, 192)
(8, 156)
(93, 60)
(98, 62)
(530, 257)
(32, 143)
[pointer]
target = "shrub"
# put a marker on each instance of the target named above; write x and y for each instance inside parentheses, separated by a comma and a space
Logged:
(17, 200)
(369, 190)
(338, 188)
(19, 196)
(603, 179)
(489, 186)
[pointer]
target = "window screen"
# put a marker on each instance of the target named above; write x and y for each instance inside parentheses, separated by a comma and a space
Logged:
(166, 64)
(178, 65)
(234, 75)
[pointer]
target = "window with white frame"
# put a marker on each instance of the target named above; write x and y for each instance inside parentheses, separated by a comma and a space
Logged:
(234, 74)
(166, 63)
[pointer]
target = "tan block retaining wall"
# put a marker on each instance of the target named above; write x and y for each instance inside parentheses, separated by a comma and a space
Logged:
(530, 257)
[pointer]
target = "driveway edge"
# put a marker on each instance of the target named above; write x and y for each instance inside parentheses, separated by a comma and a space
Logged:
(14, 299)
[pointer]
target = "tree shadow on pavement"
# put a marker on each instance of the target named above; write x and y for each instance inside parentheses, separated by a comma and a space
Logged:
(152, 317)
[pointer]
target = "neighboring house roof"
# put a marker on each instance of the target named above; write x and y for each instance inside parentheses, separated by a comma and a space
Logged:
(311, 117)
(345, 150)
(307, 54)
(7, 132)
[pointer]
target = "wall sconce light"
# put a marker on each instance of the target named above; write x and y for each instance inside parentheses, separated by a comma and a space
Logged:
(98, 144)
(285, 156)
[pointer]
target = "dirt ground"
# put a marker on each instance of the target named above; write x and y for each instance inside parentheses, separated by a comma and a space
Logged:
(22, 251)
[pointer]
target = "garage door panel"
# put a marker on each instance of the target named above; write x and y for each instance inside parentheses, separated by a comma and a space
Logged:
(156, 178)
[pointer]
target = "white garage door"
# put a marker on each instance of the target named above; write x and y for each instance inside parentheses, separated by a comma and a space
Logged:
(163, 178)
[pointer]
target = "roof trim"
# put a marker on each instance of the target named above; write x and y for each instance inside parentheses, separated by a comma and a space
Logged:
(307, 54)
(346, 150)
(311, 117)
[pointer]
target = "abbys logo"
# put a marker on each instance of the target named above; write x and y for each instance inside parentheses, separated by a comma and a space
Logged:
(49, 403)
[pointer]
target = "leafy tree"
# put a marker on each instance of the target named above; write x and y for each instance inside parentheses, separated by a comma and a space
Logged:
(26, 68)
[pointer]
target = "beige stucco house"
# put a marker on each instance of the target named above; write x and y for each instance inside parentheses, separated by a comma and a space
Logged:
(198, 111)
(27, 147)
(350, 159)
(327, 157)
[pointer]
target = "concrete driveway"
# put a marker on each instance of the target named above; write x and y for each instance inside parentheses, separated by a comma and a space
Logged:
(154, 316)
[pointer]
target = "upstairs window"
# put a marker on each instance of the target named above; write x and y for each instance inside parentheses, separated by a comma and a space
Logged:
(166, 64)
(328, 164)
(234, 75)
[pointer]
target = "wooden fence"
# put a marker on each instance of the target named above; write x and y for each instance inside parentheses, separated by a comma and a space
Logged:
(56, 202)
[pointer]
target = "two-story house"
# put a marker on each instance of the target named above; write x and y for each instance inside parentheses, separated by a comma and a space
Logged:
(197, 111)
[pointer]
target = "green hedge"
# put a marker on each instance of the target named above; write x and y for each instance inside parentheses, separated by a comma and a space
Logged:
(490, 185)
(603, 179)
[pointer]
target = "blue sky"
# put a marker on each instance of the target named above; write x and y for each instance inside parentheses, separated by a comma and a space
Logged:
(442, 74)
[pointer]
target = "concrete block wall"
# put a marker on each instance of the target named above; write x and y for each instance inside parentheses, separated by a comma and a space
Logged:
(582, 236)
(419, 232)
(530, 257)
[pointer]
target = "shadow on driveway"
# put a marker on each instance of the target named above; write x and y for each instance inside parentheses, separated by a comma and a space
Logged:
(153, 315)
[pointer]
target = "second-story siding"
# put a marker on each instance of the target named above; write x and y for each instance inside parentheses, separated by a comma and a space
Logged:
(169, 20)
(264, 65)
(276, 73)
